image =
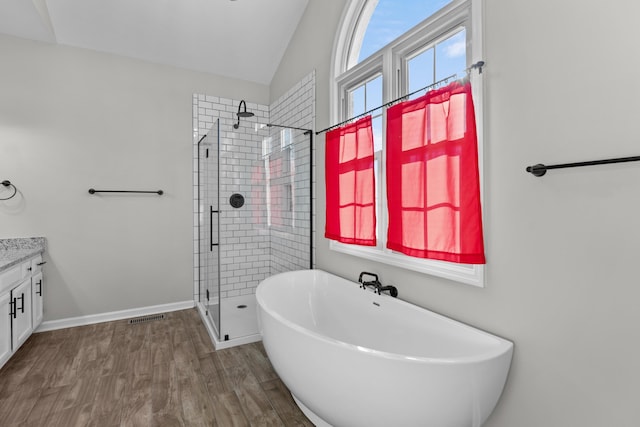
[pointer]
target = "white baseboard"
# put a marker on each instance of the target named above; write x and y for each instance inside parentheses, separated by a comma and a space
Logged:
(71, 322)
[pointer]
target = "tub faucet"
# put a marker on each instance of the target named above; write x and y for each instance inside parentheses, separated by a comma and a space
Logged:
(375, 283)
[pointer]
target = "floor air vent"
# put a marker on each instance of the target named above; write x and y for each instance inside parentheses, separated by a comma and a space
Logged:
(144, 319)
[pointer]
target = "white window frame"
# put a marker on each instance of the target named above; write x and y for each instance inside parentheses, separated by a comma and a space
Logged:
(390, 60)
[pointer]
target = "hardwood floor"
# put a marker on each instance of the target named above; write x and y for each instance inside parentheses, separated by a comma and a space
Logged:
(161, 373)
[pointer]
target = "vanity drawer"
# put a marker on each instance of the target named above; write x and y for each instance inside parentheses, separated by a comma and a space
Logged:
(10, 277)
(36, 264)
(26, 268)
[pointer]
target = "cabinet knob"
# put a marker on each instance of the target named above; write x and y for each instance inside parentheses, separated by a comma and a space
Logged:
(29, 269)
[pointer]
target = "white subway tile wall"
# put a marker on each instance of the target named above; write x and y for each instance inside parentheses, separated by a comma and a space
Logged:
(290, 178)
(271, 232)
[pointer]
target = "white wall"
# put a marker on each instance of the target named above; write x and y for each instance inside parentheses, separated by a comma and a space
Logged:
(71, 119)
(561, 86)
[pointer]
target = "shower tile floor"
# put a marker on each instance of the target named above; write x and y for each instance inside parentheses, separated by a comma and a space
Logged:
(239, 316)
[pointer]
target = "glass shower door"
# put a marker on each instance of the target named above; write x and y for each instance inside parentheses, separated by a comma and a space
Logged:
(209, 218)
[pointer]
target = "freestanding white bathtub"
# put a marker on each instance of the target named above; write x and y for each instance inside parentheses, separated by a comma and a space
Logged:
(351, 357)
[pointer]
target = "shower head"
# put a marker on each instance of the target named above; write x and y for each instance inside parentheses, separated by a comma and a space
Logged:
(244, 113)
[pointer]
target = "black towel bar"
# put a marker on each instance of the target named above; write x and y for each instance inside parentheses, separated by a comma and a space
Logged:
(93, 191)
(7, 183)
(540, 169)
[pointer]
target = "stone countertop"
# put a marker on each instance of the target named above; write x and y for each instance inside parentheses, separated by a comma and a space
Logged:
(14, 251)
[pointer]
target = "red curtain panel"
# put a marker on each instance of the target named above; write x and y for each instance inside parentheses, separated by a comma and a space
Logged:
(350, 184)
(433, 186)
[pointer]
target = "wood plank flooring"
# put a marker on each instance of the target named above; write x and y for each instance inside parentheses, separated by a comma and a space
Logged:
(162, 373)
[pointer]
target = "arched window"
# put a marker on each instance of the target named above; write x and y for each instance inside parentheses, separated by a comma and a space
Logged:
(383, 51)
(382, 21)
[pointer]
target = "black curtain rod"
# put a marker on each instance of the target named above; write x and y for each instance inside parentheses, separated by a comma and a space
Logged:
(540, 169)
(93, 191)
(478, 65)
(390, 103)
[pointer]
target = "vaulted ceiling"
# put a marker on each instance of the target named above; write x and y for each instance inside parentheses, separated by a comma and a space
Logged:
(244, 39)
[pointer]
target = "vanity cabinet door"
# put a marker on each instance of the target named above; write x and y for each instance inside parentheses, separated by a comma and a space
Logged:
(5, 328)
(37, 283)
(21, 318)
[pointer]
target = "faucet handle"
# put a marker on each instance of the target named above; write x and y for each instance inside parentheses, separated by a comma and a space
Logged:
(393, 291)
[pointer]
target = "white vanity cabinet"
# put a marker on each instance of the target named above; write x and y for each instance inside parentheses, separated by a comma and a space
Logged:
(21, 302)
(5, 328)
(21, 316)
(37, 284)
(37, 301)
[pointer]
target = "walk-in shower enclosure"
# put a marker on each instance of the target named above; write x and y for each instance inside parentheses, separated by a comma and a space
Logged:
(253, 205)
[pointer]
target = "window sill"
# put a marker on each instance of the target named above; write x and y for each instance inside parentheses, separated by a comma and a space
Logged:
(462, 273)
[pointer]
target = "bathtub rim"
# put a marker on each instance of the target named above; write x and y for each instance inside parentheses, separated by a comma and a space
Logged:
(503, 348)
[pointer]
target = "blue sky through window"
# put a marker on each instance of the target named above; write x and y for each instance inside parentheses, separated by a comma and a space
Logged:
(435, 62)
(445, 59)
(391, 18)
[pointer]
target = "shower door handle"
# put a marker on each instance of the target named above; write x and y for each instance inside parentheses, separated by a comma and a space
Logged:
(211, 212)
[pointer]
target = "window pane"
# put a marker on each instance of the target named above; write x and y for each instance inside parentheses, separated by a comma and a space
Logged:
(420, 70)
(374, 93)
(357, 97)
(447, 58)
(376, 124)
(365, 97)
(451, 55)
(391, 19)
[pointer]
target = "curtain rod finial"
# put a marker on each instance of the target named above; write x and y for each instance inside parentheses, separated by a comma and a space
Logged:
(477, 65)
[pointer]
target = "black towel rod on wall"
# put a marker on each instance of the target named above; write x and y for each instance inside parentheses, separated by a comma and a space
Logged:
(540, 169)
(8, 184)
(93, 191)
